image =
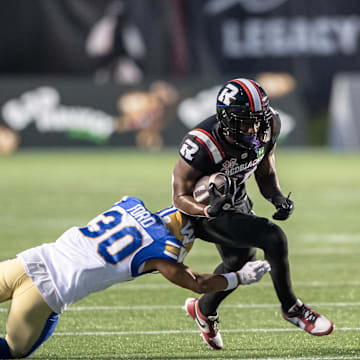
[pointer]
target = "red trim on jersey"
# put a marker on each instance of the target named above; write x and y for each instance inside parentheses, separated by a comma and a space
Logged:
(206, 148)
(258, 90)
(212, 139)
(248, 94)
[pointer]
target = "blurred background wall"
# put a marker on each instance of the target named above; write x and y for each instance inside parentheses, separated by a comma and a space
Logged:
(140, 72)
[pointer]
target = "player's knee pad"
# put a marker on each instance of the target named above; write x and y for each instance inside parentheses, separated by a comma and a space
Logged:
(276, 241)
(238, 259)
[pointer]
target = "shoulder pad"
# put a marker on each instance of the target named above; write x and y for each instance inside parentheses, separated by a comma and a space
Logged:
(200, 147)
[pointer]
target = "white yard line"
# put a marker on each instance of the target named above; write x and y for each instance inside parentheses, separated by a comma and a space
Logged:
(310, 358)
(261, 284)
(227, 306)
(166, 332)
(340, 238)
(169, 307)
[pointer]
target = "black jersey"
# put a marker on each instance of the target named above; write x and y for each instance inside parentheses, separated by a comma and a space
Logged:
(206, 149)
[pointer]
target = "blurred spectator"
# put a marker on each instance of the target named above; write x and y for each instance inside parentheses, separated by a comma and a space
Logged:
(9, 140)
(144, 113)
(116, 41)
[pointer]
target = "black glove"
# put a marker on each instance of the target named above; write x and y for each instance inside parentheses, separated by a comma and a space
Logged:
(284, 206)
(219, 201)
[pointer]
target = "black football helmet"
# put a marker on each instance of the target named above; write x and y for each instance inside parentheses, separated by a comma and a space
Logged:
(243, 104)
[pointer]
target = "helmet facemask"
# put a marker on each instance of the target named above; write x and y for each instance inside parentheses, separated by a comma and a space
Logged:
(236, 124)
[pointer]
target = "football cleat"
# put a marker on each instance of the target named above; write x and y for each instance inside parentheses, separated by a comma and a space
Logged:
(307, 319)
(207, 324)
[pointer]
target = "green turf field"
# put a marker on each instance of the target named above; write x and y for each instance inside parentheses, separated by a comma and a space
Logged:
(42, 194)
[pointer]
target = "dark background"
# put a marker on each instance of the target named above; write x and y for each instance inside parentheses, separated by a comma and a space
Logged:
(192, 44)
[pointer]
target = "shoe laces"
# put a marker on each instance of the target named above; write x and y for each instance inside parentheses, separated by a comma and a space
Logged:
(214, 320)
(308, 314)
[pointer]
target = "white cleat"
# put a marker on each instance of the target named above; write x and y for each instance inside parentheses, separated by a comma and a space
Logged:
(207, 324)
(307, 319)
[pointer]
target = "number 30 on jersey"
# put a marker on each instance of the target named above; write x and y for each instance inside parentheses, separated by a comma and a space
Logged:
(117, 241)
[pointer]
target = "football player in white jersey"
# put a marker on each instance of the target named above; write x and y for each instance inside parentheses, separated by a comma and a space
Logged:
(120, 244)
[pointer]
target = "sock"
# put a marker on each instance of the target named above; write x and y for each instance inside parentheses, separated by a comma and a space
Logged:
(295, 306)
(4, 350)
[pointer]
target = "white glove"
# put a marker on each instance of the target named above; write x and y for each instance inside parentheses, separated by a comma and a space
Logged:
(253, 271)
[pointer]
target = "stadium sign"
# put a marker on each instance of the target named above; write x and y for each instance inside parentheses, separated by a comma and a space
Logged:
(297, 36)
(73, 111)
(42, 106)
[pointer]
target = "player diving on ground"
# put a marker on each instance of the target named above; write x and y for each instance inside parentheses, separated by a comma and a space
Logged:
(120, 244)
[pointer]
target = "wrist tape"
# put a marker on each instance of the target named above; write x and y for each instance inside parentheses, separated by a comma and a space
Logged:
(232, 279)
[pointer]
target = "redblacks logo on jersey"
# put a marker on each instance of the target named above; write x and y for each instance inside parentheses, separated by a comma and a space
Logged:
(231, 167)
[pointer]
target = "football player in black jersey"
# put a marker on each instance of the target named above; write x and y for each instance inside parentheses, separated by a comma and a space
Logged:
(239, 140)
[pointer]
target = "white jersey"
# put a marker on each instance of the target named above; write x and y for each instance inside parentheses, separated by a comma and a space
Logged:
(112, 248)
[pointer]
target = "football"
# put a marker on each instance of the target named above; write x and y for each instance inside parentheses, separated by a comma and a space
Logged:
(201, 188)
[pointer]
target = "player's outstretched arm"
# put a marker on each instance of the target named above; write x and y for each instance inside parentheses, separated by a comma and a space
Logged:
(187, 278)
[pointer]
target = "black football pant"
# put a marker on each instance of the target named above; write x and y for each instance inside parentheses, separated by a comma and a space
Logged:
(237, 235)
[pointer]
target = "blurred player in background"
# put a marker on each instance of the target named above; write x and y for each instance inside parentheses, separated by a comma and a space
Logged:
(119, 245)
(239, 140)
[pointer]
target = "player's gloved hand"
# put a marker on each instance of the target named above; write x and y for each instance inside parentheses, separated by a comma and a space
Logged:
(220, 201)
(253, 271)
(284, 206)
